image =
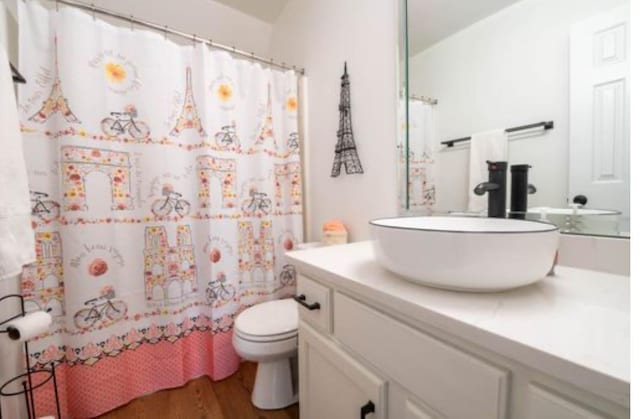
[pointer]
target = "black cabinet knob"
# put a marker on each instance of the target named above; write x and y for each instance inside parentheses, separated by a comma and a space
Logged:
(302, 300)
(366, 409)
(580, 199)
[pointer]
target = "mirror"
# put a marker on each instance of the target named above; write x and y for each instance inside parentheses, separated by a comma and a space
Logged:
(540, 84)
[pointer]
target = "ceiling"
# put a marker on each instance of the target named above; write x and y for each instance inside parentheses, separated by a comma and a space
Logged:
(429, 20)
(433, 20)
(265, 10)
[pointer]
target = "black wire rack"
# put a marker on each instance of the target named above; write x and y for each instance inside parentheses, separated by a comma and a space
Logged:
(32, 378)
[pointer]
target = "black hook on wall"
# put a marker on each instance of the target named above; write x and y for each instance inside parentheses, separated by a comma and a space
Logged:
(17, 77)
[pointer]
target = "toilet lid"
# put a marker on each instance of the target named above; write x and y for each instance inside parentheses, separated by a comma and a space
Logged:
(269, 319)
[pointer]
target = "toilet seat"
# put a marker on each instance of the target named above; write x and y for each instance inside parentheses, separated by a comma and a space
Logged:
(268, 322)
(269, 338)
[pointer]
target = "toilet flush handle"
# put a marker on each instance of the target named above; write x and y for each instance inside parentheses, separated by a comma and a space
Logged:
(302, 300)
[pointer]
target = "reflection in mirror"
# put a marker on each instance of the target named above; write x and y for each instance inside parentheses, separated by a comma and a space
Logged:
(542, 85)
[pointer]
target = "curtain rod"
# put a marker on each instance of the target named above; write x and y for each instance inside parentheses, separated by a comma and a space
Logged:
(426, 99)
(166, 29)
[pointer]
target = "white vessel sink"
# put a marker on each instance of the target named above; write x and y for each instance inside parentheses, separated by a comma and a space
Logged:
(466, 253)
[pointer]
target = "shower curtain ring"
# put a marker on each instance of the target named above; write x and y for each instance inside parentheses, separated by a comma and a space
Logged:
(194, 40)
(131, 21)
(57, 9)
(93, 11)
(166, 29)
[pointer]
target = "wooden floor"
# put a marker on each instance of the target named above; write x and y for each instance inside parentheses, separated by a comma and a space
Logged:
(204, 399)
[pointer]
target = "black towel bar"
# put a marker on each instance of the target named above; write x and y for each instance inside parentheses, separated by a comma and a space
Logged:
(545, 124)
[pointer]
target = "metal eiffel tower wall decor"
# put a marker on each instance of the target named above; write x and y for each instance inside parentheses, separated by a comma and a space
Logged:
(346, 152)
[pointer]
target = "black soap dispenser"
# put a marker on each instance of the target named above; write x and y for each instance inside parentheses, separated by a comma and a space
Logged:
(520, 189)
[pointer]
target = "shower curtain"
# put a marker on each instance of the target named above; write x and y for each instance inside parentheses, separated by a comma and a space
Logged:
(166, 186)
(422, 187)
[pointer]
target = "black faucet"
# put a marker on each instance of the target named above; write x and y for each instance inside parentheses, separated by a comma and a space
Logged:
(520, 190)
(497, 188)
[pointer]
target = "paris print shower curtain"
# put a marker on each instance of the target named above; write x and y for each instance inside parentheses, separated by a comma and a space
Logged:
(166, 186)
(421, 186)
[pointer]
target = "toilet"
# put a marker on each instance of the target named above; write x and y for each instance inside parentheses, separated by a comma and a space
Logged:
(267, 333)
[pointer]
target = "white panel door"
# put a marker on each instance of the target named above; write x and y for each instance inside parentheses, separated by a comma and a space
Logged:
(599, 111)
(332, 384)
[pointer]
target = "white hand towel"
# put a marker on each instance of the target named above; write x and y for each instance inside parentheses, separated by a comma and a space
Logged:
(488, 145)
(17, 244)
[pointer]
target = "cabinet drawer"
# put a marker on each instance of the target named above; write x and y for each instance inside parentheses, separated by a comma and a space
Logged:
(313, 293)
(547, 404)
(446, 379)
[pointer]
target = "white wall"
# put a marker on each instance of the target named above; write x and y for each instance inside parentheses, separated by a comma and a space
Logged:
(321, 35)
(509, 69)
(205, 18)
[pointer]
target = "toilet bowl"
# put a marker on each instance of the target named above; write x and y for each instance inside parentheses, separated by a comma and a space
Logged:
(267, 333)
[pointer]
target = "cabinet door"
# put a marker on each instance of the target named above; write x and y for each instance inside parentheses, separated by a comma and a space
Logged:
(334, 385)
(445, 378)
(404, 405)
(414, 410)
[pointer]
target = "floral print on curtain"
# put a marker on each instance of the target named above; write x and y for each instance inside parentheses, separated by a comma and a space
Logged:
(166, 187)
(421, 186)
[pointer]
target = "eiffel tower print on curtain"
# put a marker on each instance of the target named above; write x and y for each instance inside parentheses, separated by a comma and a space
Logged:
(188, 118)
(266, 130)
(346, 152)
(56, 101)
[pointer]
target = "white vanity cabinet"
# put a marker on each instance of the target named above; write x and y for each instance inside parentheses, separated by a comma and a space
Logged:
(332, 383)
(360, 359)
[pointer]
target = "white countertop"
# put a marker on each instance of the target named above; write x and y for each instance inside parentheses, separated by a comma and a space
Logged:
(574, 325)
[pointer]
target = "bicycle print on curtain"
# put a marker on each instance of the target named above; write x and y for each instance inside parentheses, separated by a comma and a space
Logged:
(166, 187)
